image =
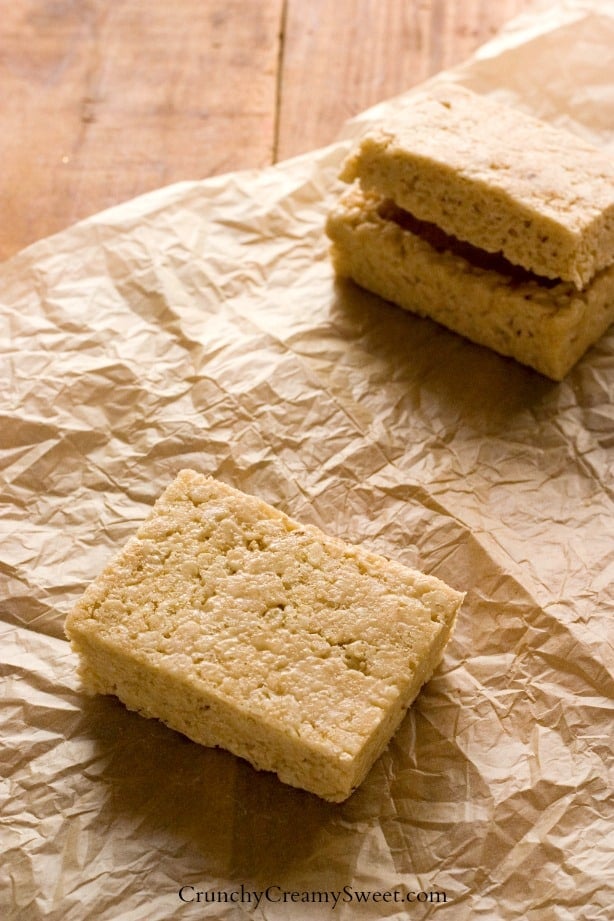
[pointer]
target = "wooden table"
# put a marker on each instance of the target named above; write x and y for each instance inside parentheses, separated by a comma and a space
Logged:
(104, 100)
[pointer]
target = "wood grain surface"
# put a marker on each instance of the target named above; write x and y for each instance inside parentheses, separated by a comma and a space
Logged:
(104, 100)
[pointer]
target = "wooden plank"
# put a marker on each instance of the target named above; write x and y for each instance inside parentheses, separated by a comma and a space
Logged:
(342, 57)
(104, 100)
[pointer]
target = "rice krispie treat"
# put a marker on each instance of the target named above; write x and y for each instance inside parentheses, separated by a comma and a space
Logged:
(495, 177)
(241, 628)
(546, 325)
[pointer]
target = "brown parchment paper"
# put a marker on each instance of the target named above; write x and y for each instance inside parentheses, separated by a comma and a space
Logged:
(201, 326)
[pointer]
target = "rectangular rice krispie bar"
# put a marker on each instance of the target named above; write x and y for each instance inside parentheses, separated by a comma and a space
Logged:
(546, 325)
(241, 628)
(497, 178)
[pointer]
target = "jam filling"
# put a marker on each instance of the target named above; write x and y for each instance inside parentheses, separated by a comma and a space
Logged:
(442, 241)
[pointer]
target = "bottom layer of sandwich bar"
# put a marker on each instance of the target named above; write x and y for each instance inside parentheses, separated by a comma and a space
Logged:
(242, 629)
(547, 326)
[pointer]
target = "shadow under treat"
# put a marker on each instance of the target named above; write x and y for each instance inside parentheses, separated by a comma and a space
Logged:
(214, 811)
(399, 346)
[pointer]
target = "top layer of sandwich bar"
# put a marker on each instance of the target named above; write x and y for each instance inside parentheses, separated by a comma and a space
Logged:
(497, 178)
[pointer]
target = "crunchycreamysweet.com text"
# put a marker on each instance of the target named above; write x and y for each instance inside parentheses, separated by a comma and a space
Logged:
(276, 894)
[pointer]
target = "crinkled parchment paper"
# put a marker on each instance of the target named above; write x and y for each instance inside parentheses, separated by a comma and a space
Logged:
(201, 326)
